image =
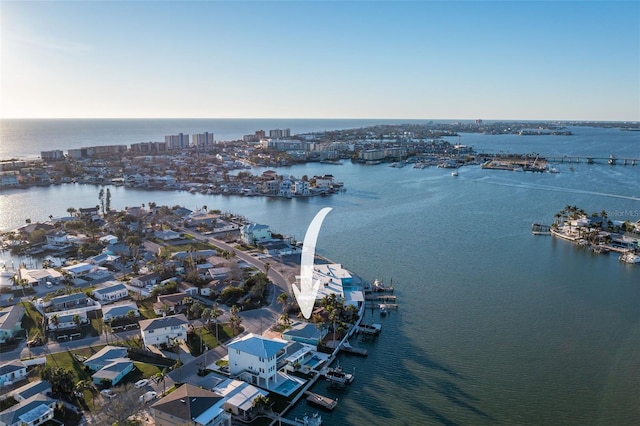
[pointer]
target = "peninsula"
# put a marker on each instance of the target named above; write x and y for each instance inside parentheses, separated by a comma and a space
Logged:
(137, 320)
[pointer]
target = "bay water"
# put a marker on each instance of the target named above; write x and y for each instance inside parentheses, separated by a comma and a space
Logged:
(495, 325)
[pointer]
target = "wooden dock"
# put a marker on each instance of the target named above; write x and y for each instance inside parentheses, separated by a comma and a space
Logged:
(380, 298)
(321, 400)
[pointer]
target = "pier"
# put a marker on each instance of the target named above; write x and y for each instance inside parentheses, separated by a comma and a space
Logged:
(611, 160)
(380, 298)
(321, 400)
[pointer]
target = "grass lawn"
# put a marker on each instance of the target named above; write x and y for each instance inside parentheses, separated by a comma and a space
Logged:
(32, 320)
(196, 245)
(143, 370)
(145, 307)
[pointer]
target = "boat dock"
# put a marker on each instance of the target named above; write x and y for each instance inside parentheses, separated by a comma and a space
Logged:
(611, 160)
(380, 298)
(321, 400)
(346, 347)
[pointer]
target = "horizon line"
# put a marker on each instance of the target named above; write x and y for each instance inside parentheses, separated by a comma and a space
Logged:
(325, 118)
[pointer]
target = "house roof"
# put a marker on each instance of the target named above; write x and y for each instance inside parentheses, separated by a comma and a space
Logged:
(164, 322)
(27, 411)
(68, 298)
(303, 330)
(258, 346)
(111, 289)
(32, 388)
(106, 356)
(187, 403)
(119, 310)
(11, 366)
(239, 394)
(113, 369)
(10, 317)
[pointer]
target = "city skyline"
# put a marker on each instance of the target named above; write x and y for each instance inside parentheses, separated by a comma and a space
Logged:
(416, 60)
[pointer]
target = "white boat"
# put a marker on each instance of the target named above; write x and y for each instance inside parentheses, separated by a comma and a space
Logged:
(335, 376)
(383, 309)
(455, 173)
(630, 257)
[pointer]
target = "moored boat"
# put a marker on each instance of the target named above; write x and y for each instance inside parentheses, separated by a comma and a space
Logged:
(630, 257)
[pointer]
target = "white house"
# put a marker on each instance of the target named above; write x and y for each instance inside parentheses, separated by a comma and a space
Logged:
(284, 189)
(111, 292)
(11, 372)
(301, 187)
(145, 280)
(164, 330)
(255, 357)
(254, 233)
(80, 269)
(65, 319)
(40, 276)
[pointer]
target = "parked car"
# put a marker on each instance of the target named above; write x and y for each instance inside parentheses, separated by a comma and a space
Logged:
(141, 383)
(147, 396)
(108, 393)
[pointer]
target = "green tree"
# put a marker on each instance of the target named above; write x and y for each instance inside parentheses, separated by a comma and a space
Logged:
(235, 320)
(101, 198)
(108, 200)
(283, 299)
(216, 313)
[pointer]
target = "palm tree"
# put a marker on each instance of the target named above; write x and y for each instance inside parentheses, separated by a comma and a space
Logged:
(55, 320)
(160, 378)
(77, 320)
(216, 312)
(71, 211)
(234, 319)
(260, 403)
(284, 319)
(283, 299)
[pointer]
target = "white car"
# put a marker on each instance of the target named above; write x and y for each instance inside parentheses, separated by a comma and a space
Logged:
(107, 393)
(141, 383)
(147, 396)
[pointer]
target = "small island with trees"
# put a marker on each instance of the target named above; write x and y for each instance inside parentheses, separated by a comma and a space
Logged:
(596, 231)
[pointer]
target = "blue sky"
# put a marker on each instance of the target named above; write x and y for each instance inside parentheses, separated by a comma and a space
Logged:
(323, 59)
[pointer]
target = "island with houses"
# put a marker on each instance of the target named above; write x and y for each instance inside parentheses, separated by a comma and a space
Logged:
(163, 315)
(595, 231)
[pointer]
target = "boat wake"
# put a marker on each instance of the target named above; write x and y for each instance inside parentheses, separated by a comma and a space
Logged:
(551, 188)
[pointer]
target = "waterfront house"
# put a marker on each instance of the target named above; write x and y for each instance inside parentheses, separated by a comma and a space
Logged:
(164, 330)
(12, 372)
(40, 276)
(190, 405)
(255, 233)
(111, 292)
(105, 356)
(120, 310)
(30, 389)
(58, 239)
(303, 332)
(10, 322)
(277, 248)
(254, 359)
(238, 397)
(284, 189)
(68, 301)
(35, 410)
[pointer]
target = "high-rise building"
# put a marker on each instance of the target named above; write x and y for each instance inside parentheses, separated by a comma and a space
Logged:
(56, 154)
(203, 139)
(279, 133)
(178, 141)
